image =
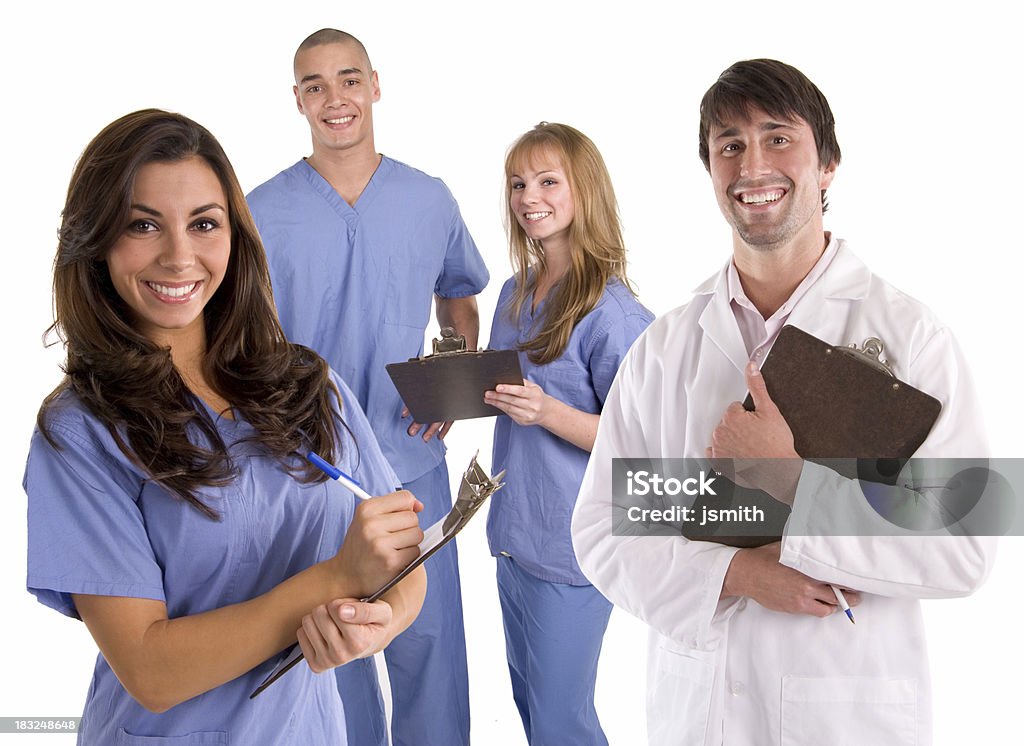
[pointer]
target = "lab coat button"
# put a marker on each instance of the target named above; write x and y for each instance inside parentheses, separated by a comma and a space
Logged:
(737, 688)
(504, 554)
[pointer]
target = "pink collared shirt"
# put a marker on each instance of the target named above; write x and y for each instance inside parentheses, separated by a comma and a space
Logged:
(759, 334)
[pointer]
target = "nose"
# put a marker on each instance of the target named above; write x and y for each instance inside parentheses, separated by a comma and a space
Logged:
(754, 161)
(529, 194)
(334, 96)
(177, 254)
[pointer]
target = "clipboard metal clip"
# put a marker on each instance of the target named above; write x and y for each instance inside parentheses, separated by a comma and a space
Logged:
(870, 354)
(450, 343)
(476, 486)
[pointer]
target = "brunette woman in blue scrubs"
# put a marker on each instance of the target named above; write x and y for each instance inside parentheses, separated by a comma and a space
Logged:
(169, 505)
(570, 312)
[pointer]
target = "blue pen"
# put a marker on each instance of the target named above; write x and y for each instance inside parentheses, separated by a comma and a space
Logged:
(842, 602)
(335, 473)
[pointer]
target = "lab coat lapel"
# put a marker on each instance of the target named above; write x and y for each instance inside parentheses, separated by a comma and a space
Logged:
(826, 310)
(718, 322)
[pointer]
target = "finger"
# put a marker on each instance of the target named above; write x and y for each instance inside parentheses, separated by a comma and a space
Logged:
(852, 597)
(393, 502)
(510, 389)
(307, 651)
(388, 524)
(327, 626)
(405, 412)
(444, 430)
(431, 431)
(495, 401)
(315, 641)
(348, 611)
(758, 389)
(414, 428)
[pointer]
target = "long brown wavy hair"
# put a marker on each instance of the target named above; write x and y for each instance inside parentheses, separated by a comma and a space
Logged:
(283, 390)
(595, 237)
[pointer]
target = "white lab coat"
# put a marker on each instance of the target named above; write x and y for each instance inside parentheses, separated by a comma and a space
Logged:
(733, 672)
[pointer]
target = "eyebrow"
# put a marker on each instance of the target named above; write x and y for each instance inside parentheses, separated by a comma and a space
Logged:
(341, 73)
(539, 173)
(768, 126)
(158, 214)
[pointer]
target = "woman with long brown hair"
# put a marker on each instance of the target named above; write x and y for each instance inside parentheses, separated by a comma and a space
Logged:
(571, 313)
(170, 506)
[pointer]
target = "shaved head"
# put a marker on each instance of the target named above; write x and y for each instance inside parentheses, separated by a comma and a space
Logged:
(330, 36)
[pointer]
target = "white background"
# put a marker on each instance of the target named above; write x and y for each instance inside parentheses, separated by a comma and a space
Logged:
(927, 119)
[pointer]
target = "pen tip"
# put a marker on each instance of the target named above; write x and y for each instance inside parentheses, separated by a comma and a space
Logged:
(850, 614)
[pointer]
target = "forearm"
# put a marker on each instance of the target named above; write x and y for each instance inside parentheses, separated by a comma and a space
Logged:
(163, 662)
(462, 315)
(569, 423)
(406, 600)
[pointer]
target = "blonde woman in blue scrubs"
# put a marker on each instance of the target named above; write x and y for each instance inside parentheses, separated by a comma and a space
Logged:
(570, 312)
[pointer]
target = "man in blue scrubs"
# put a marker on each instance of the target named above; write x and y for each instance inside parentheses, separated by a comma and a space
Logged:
(358, 245)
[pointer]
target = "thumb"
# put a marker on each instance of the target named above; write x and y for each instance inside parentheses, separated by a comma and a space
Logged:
(757, 388)
(350, 611)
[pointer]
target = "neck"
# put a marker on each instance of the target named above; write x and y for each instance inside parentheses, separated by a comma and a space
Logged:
(188, 353)
(556, 264)
(769, 275)
(348, 171)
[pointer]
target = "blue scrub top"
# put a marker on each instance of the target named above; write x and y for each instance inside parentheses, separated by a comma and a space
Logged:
(97, 526)
(530, 517)
(356, 283)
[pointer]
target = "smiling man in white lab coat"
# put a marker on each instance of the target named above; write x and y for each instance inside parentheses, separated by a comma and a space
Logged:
(746, 647)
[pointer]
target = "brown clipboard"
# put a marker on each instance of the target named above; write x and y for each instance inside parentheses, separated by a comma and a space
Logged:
(846, 409)
(449, 386)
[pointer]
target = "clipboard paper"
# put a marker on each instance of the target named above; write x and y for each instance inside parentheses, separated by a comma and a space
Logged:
(475, 488)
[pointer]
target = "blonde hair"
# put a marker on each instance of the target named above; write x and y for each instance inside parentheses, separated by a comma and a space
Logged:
(597, 252)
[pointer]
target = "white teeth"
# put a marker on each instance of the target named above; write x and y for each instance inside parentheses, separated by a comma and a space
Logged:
(173, 292)
(343, 120)
(761, 198)
(536, 215)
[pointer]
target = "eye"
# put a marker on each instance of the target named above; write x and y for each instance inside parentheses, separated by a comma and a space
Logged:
(780, 140)
(732, 147)
(549, 182)
(314, 89)
(351, 81)
(517, 185)
(205, 225)
(143, 225)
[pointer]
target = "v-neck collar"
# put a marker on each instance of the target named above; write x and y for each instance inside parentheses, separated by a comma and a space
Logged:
(323, 187)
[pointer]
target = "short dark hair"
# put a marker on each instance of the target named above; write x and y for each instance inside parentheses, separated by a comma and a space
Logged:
(331, 36)
(781, 91)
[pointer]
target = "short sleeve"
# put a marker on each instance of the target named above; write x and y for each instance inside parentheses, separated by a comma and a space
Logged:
(86, 533)
(363, 459)
(609, 345)
(464, 272)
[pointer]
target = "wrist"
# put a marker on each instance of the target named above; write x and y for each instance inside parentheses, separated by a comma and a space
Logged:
(544, 416)
(337, 579)
(732, 584)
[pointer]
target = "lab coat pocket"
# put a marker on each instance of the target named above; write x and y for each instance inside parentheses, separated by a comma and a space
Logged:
(410, 290)
(678, 698)
(851, 709)
(204, 738)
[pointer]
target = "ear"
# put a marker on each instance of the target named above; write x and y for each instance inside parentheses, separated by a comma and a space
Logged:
(298, 101)
(375, 86)
(827, 174)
